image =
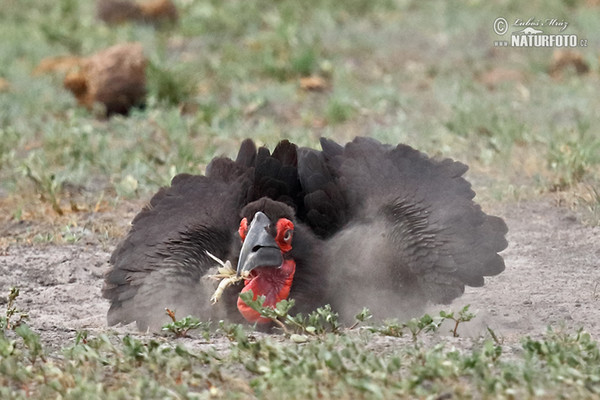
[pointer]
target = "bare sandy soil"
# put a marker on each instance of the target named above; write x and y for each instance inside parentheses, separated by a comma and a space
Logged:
(552, 277)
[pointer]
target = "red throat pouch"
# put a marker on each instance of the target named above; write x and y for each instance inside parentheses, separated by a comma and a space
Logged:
(273, 283)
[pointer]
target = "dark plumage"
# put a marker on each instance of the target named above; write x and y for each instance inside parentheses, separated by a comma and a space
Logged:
(364, 224)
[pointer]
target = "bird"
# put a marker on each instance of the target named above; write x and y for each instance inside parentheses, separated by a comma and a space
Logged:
(364, 224)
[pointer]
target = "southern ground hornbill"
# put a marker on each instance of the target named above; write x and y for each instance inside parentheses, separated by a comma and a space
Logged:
(360, 225)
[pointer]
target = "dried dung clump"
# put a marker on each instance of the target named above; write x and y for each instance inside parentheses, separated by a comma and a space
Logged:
(114, 77)
(563, 60)
(151, 11)
(313, 83)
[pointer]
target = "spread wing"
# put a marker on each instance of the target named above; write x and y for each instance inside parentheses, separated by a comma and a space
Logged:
(161, 262)
(414, 234)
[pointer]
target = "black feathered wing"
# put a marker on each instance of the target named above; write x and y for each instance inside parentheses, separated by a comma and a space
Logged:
(323, 207)
(414, 234)
(161, 262)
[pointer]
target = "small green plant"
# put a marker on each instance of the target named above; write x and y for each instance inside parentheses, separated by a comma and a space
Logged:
(7, 322)
(338, 111)
(180, 328)
(304, 63)
(464, 315)
(560, 348)
(136, 350)
(48, 185)
(565, 357)
(570, 162)
(389, 328)
(32, 342)
(591, 204)
(235, 333)
(494, 336)
(574, 157)
(14, 319)
(319, 322)
(492, 349)
(71, 234)
(362, 316)
(275, 314)
(81, 337)
(426, 323)
(170, 86)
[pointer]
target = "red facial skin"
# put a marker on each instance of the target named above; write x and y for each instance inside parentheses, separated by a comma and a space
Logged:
(273, 283)
(243, 230)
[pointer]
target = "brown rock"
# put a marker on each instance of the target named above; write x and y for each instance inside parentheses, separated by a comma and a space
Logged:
(118, 11)
(564, 59)
(158, 10)
(150, 11)
(114, 77)
(313, 83)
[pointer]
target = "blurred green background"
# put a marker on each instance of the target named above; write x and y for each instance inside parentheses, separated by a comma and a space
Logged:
(422, 73)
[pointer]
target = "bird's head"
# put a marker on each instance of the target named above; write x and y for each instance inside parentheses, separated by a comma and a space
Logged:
(267, 232)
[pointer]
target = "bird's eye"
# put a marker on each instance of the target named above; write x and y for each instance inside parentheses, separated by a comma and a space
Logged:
(285, 232)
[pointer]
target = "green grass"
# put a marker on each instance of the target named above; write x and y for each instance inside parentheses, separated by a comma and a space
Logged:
(332, 362)
(230, 70)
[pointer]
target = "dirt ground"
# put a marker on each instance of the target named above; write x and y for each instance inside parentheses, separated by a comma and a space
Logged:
(552, 277)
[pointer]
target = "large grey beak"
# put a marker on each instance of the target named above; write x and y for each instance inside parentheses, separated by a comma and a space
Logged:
(259, 248)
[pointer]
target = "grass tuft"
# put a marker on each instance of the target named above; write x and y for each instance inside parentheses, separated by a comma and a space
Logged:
(338, 363)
